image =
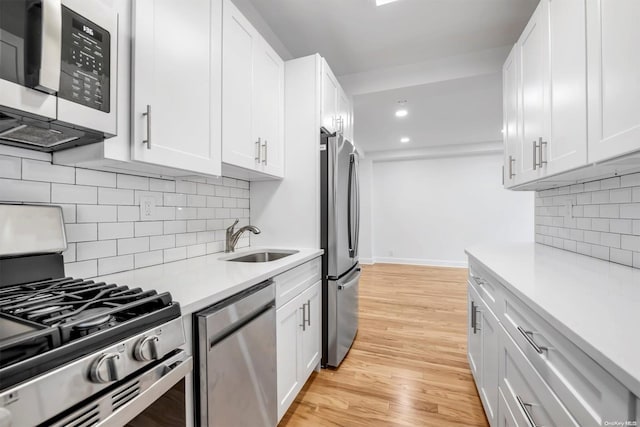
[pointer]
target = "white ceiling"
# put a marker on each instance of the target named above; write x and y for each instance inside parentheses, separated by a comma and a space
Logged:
(460, 111)
(357, 36)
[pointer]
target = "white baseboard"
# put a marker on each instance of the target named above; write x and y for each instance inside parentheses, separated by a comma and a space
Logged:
(419, 261)
(366, 261)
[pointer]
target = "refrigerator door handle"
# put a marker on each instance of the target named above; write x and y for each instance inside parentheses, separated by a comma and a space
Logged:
(357, 201)
(351, 207)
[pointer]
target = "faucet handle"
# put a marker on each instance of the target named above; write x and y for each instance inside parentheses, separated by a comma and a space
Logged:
(232, 226)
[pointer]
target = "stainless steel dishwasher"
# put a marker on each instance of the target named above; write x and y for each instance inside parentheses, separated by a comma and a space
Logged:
(237, 360)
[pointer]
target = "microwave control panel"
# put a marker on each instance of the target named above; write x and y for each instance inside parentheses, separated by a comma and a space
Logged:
(86, 62)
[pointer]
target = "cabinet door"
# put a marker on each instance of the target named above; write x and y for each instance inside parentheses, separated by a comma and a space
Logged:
(289, 344)
(342, 114)
(268, 77)
(474, 342)
(329, 98)
(505, 416)
(240, 147)
(176, 75)
(490, 361)
(534, 80)
(614, 78)
(511, 125)
(311, 337)
(567, 144)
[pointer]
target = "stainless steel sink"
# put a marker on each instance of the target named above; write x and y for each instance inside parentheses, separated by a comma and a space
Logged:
(261, 256)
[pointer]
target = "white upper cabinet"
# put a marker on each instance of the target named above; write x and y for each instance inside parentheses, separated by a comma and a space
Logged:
(567, 148)
(544, 82)
(614, 78)
(534, 99)
(176, 84)
(252, 97)
(511, 134)
(329, 106)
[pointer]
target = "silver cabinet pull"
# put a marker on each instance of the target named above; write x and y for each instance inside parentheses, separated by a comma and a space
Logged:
(511, 162)
(535, 160)
(525, 408)
(147, 114)
(527, 335)
(304, 320)
(265, 148)
(540, 144)
(258, 148)
(308, 312)
(474, 317)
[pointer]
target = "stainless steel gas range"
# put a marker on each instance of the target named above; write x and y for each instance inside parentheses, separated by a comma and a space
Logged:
(76, 352)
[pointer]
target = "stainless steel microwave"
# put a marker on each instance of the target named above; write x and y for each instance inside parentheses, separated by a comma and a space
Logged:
(58, 62)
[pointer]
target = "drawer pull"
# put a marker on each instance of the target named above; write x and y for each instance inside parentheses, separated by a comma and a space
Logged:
(473, 317)
(525, 407)
(478, 280)
(527, 336)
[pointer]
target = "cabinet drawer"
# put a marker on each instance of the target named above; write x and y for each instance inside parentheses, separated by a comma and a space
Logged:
(531, 400)
(589, 392)
(488, 286)
(293, 282)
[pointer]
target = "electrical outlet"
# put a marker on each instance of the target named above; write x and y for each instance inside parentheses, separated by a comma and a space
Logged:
(147, 208)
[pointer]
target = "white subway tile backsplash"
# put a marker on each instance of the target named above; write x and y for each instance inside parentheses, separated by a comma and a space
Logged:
(115, 196)
(162, 242)
(175, 254)
(81, 232)
(146, 259)
(24, 191)
(131, 246)
(132, 182)
(96, 178)
(10, 167)
(115, 264)
(148, 228)
(115, 230)
(83, 269)
(605, 221)
(96, 213)
(95, 249)
(67, 193)
(104, 229)
(162, 185)
(36, 170)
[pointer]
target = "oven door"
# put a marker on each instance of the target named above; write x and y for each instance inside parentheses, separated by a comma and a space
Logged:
(88, 69)
(119, 405)
(29, 66)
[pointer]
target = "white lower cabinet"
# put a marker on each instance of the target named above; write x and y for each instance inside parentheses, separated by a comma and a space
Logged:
(299, 339)
(527, 373)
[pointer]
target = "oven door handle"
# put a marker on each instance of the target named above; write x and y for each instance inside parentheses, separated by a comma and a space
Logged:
(175, 368)
(147, 387)
(51, 47)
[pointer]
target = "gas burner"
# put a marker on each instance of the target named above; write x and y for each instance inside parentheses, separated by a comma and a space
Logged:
(46, 310)
(92, 318)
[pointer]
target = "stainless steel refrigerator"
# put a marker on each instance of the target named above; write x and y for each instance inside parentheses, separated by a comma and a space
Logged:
(340, 226)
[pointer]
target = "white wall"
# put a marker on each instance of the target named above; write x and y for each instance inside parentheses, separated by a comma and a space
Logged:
(428, 211)
(366, 211)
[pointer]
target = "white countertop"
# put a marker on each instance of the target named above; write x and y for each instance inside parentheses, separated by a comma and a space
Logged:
(594, 303)
(197, 283)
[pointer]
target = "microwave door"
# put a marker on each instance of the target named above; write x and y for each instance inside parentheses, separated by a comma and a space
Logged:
(21, 58)
(88, 82)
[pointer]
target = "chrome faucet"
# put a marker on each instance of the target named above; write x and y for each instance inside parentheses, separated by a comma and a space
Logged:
(232, 238)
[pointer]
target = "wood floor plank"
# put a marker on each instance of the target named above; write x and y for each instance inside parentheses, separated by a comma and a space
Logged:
(408, 365)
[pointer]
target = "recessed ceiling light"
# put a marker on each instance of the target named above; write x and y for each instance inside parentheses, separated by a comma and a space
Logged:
(401, 112)
(404, 140)
(383, 2)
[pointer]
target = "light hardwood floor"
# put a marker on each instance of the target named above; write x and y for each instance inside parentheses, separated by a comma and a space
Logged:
(408, 365)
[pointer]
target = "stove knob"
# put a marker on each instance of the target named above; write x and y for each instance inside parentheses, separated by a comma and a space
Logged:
(105, 368)
(5, 417)
(146, 349)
